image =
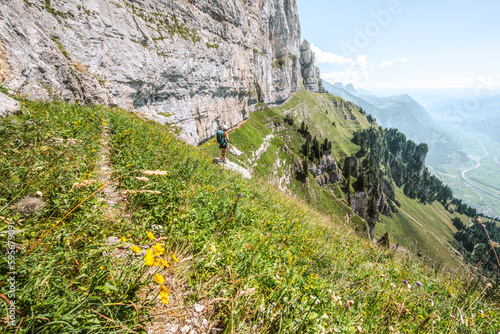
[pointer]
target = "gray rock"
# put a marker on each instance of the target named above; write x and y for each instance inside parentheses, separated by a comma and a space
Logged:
(111, 241)
(326, 171)
(234, 151)
(359, 203)
(193, 63)
(172, 329)
(158, 228)
(198, 307)
(310, 73)
(8, 106)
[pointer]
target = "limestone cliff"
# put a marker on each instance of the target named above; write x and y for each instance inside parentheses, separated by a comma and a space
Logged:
(194, 63)
(310, 72)
(326, 170)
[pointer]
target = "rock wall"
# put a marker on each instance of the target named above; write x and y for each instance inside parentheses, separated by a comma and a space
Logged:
(326, 170)
(194, 63)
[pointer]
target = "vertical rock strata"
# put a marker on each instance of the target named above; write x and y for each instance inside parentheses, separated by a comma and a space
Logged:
(310, 72)
(193, 63)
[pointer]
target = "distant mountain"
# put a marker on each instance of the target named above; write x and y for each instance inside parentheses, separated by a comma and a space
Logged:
(472, 113)
(364, 91)
(403, 113)
(470, 109)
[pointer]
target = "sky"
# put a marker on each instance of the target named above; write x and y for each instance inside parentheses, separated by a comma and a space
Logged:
(395, 46)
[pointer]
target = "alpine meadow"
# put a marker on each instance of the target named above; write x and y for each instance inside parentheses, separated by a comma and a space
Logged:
(173, 166)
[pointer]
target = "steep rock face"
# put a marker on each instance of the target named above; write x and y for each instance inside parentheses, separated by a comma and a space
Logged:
(359, 203)
(326, 171)
(310, 72)
(354, 164)
(417, 161)
(194, 63)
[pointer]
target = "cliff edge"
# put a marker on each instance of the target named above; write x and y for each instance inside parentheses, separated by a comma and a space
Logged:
(196, 64)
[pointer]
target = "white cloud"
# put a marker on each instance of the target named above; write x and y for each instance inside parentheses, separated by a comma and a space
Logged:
(350, 70)
(328, 57)
(355, 73)
(424, 84)
(386, 64)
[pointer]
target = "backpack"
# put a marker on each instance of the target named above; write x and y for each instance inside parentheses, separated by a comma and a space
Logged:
(220, 138)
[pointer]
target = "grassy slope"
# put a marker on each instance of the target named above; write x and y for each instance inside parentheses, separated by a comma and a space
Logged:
(319, 112)
(433, 239)
(223, 236)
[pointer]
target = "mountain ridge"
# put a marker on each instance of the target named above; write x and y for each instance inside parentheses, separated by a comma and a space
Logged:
(405, 114)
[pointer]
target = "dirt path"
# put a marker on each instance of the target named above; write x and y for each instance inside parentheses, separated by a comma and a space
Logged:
(163, 320)
(259, 152)
(109, 194)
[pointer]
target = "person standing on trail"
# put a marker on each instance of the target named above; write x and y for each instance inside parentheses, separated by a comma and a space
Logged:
(223, 140)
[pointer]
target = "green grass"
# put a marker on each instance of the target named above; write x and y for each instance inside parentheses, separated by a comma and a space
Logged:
(62, 280)
(432, 240)
(319, 111)
(61, 47)
(259, 260)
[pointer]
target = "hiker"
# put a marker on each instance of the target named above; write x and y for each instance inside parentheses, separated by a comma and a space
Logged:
(223, 140)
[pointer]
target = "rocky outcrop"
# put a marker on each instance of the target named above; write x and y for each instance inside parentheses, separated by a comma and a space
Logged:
(8, 106)
(359, 203)
(310, 73)
(194, 63)
(417, 161)
(354, 164)
(326, 171)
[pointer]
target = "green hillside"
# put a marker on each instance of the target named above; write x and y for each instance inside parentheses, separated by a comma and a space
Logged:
(195, 241)
(319, 112)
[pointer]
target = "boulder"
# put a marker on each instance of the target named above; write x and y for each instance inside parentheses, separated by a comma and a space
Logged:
(8, 106)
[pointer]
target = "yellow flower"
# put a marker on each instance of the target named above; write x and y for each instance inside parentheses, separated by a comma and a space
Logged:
(136, 249)
(164, 263)
(150, 235)
(159, 279)
(149, 258)
(174, 258)
(158, 249)
(164, 298)
(101, 267)
(164, 294)
(124, 239)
